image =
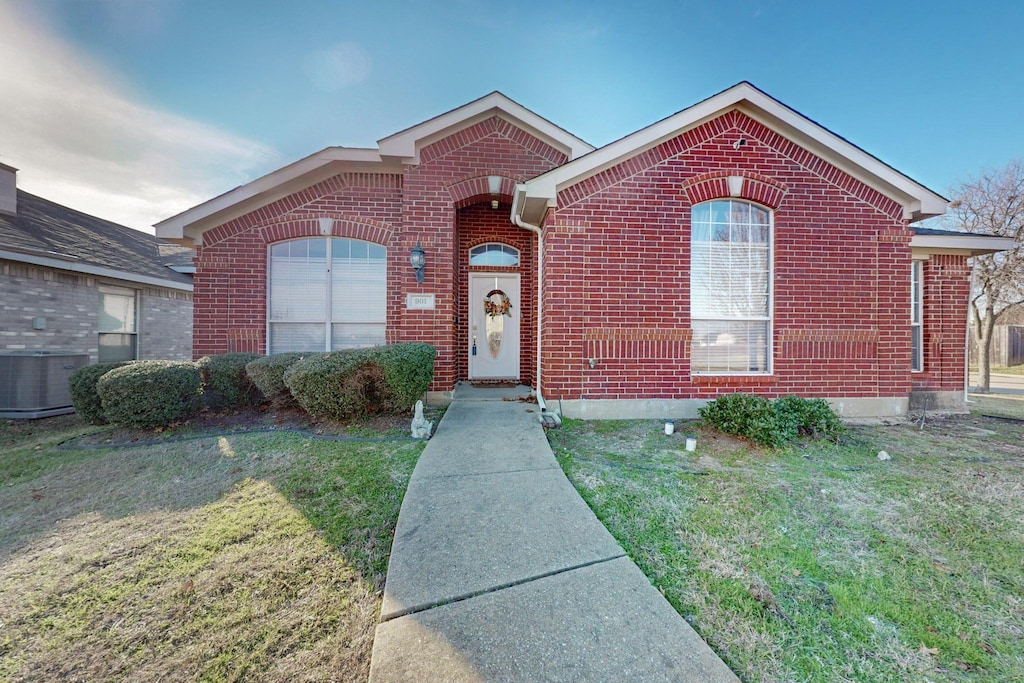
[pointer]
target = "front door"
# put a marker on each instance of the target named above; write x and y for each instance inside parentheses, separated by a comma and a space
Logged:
(494, 315)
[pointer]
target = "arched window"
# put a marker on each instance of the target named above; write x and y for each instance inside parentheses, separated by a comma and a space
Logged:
(326, 294)
(493, 254)
(730, 287)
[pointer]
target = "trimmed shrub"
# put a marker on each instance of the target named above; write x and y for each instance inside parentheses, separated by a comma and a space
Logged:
(225, 382)
(151, 393)
(772, 423)
(84, 397)
(811, 417)
(343, 384)
(267, 373)
(408, 372)
(744, 415)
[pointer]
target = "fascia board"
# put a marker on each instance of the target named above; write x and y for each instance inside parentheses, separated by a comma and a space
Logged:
(968, 244)
(406, 144)
(919, 201)
(269, 188)
(87, 269)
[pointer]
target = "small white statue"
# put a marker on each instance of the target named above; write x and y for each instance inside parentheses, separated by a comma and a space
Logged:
(421, 427)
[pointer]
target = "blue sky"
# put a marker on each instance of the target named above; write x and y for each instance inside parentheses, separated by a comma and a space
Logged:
(137, 109)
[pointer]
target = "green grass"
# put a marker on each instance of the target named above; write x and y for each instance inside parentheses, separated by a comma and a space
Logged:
(822, 563)
(237, 557)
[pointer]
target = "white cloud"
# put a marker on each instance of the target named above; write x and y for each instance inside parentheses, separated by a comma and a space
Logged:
(79, 139)
(337, 67)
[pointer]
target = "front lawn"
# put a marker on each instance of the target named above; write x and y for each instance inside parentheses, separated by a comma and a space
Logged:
(823, 562)
(236, 557)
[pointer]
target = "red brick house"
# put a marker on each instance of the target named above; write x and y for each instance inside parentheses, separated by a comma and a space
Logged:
(734, 246)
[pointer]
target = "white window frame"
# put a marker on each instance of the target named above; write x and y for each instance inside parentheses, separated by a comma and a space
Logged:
(767, 319)
(504, 249)
(327, 320)
(917, 316)
(133, 324)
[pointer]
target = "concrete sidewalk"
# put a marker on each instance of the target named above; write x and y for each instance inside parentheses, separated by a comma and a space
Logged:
(500, 572)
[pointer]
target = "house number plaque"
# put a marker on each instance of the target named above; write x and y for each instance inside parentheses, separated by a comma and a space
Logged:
(419, 302)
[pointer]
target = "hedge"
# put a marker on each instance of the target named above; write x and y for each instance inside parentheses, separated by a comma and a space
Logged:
(225, 382)
(772, 423)
(267, 373)
(343, 384)
(84, 397)
(151, 393)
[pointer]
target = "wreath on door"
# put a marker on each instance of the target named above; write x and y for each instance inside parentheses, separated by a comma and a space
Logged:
(499, 308)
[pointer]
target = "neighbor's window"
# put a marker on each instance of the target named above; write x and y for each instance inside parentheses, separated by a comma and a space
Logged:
(730, 288)
(493, 255)
(916, 311)
(118, 324)
(327, 294)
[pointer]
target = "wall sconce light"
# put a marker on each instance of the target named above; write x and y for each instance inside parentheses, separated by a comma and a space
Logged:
(494, 187)
(418, 259)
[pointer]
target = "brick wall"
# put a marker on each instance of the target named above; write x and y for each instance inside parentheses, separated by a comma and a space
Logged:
(397, 211)
(621, 242)
(946, 290)
(165, 324)
(70, 304)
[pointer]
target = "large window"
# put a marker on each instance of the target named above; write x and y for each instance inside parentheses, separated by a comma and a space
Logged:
(327, 294)
(916, 327)
(118, 324)
(730, 288)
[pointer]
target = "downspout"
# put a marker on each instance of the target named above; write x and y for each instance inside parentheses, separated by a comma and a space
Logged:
(535, 229)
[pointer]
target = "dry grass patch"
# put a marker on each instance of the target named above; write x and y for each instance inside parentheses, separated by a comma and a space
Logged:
(822, 562)
(238, 557)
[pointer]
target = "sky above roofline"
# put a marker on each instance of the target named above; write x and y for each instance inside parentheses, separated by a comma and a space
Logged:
(135, 111)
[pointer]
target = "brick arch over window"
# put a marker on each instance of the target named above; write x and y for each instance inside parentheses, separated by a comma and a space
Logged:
(476, 189)
(367, 230)
(745, 185)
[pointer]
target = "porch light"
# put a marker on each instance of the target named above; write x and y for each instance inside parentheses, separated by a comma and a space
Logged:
(418, 259)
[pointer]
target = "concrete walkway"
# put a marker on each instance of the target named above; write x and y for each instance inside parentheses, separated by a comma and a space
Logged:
(500, 572)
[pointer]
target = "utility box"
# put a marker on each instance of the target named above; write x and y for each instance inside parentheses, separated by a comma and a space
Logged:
(35, 383)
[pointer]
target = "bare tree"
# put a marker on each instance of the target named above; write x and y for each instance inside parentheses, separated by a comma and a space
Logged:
(992, 204)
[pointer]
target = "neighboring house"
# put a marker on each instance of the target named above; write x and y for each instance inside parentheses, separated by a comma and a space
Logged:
(75, 283)
(734, 246)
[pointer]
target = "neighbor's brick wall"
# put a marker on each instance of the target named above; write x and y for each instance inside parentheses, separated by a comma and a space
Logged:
(70, 303)
(393, 210)
(621, 239)
(165, 324)
(946, 289)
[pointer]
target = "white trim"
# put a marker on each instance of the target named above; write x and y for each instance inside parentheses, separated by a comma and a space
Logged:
(918, 201)
(60, 264)
(968, 244)
(406, 144)
(276, 185)
(392, 154)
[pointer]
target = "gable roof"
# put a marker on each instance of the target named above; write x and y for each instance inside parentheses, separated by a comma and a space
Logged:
(533, 198)
(48, 234)
(392, 154)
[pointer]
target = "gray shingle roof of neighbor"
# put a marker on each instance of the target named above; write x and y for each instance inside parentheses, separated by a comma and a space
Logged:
(45, 228)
